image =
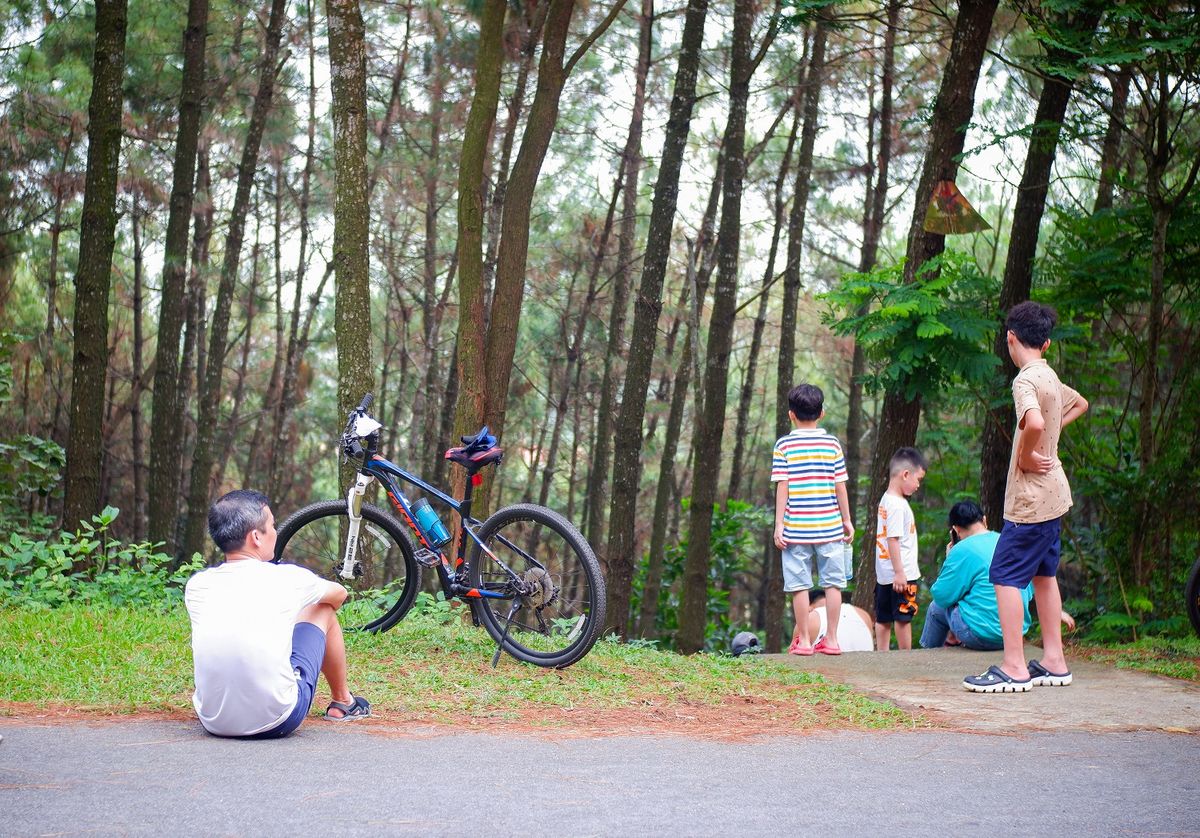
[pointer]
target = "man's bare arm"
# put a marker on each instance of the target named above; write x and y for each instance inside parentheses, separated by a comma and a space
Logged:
(1075, 411)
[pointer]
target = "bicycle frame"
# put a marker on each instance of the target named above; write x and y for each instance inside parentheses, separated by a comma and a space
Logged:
(375, 467)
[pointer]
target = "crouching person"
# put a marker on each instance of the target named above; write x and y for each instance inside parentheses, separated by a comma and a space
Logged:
(262, 632)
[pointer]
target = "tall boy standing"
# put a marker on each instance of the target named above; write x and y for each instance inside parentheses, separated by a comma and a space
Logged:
(896, 569)
(1035, 499)
(812, 515)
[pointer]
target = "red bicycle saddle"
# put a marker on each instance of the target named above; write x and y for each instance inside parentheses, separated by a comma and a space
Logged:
(476, 451)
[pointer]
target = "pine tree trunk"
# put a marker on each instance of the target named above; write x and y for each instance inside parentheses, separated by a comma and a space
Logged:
(647, 306)
(136, 382)
(1018, 269)
(210, 392)
(873, 218)
(351, 209)
(92, 279)
(619, 572)
(472, 312)
(710, 427)
(785, 366)
(1110, 154)
(166, 415)
(952, 111)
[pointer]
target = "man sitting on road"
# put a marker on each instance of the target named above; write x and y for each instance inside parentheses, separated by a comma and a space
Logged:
(261, 632)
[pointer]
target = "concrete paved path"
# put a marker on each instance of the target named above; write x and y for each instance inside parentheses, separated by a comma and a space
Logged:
(930, 681)
(170, 779)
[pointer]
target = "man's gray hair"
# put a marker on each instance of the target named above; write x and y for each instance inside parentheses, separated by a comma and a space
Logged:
(234, 515)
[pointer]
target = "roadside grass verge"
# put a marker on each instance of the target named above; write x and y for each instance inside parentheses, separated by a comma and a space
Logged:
(429, 669)
(1173, 657)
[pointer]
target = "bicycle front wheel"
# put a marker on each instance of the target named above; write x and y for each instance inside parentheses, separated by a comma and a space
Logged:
(387, 576)
(553, 597)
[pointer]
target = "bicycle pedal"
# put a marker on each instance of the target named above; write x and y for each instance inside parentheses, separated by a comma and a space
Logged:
(428, 558)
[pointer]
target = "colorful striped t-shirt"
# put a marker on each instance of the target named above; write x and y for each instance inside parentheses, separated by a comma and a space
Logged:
(812, 463)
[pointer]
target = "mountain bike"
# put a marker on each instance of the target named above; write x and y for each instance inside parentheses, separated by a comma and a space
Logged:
(529, 576)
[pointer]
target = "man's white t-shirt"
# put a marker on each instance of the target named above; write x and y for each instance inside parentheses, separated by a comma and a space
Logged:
(895, 521)
(243, 614)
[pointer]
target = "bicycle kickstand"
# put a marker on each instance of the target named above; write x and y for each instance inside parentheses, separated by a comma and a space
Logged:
(516, 606)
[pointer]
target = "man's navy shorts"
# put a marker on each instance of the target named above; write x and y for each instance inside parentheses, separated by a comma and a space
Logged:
(1025, 551)
(308, 653)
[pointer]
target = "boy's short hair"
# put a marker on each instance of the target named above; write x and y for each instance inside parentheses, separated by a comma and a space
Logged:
(906, 458)
(234, 515)
(965, 513)
(806, 401)
(1032, 323)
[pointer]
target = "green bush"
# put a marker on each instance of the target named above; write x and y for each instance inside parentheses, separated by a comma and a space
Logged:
(89, 567)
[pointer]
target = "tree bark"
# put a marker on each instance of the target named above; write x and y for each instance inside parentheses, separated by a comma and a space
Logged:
(785, 367)
(210, 392)
(1110, 154)
(92, 279)
(873, 217)
(166, 452)
(693, 607)
(952, 111)
(351, 209)
(472, 311)
(619, 572)
(627, 446)
(1018, 269)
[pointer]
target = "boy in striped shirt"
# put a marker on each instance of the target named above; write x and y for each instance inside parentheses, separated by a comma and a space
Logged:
(812, 515)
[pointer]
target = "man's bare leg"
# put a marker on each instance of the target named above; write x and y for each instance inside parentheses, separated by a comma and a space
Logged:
(1049, 608)
(333, 667)
(1012, 624)
(903, 635)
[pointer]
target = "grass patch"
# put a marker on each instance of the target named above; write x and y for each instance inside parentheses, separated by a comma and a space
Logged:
(1170, 656)
(427, 669)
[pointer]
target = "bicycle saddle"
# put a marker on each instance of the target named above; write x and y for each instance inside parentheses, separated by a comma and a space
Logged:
(476, 451)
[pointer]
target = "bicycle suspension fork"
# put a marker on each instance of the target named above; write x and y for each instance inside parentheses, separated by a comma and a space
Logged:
(354, 502)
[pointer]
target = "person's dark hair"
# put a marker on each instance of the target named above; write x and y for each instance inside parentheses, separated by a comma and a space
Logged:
(815, 596)
(907, 458)
(965, 513)
(232, 516)
(1032, 323)
(806, 401)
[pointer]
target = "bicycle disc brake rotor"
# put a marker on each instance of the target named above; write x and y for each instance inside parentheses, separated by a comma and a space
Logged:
(540, 586)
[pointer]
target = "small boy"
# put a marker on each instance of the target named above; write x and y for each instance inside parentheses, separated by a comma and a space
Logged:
(812, 515)
(1035, 499)
(896, 570)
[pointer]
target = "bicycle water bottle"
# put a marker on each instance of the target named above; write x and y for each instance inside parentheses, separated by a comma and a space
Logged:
(431, 525)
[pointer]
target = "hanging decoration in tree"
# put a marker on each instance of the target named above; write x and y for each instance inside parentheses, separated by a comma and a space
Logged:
(950, 213)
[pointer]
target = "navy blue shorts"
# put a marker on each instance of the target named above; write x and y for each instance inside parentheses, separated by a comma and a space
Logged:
(1025, 551)
(308, 653)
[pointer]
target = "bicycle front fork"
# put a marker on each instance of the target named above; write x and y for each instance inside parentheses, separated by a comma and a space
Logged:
(354, 502)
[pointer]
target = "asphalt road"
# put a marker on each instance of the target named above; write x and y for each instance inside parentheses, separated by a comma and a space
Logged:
(169, 778)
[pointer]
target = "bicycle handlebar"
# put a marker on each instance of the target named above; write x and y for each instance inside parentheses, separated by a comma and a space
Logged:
(365, 404)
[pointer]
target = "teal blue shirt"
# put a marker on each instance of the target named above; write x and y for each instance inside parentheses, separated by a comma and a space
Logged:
(963, 581)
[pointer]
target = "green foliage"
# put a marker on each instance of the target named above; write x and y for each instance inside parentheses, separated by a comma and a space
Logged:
(921, 336)
(736, 541)
(37, 573)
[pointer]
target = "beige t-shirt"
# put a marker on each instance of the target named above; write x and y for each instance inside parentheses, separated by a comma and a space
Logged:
(1033, 498)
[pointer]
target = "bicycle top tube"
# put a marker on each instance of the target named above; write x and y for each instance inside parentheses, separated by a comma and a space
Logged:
(385, 469)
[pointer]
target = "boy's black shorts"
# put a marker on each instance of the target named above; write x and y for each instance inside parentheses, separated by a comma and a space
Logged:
(891, 607)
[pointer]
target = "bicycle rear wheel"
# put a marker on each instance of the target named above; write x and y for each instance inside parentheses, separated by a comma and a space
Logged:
(553, 608)
(388, 579)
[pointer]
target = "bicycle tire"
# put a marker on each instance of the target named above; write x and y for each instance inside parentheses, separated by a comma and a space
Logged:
(1192, 596)
(560, 622)
(390, 577)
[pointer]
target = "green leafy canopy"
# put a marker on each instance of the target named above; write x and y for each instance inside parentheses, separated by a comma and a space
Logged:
(919, 337)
